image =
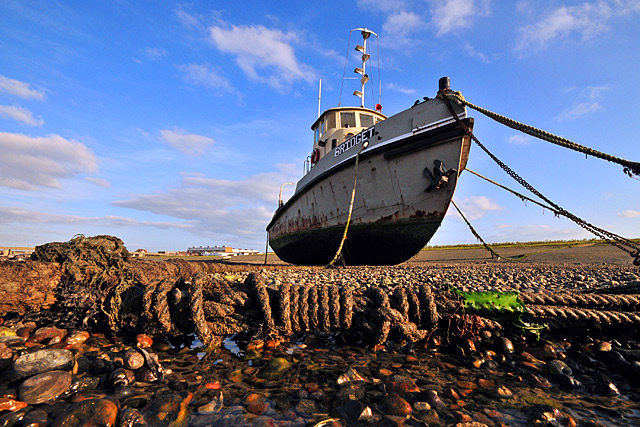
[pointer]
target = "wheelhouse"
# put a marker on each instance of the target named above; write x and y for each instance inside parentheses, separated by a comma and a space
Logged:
(336, 125)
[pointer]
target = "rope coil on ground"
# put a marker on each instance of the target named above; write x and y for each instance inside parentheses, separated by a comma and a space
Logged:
(197, 312)
(621, 302)
(219, 308)
(161, 305)
(584, 315)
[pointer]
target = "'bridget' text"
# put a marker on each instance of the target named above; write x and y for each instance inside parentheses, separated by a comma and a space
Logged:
(353, 141)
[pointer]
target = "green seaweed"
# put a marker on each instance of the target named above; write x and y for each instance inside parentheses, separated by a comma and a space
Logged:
(501, 306)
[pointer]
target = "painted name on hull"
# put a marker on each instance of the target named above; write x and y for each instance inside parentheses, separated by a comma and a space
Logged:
(353, 141)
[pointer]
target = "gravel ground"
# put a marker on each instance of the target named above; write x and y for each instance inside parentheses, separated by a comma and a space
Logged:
(586, 376)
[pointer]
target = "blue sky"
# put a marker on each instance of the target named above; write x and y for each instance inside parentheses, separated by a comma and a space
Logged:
(174, 124)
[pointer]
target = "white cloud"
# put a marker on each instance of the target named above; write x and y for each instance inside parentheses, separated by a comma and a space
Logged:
(21, 115)
(585, 20)
(578, 111)
(520, 139)
(21, 89)
(625, 7)
(9, 215)
(205, 75)
(219, 207)
(629, 214)
(398, 26)
(189, 144)
(524, 7)
(401, 89)
(472, 52)
(155, 53)
(188, 19)
(100, 182)
(30, 162)
(263, 54)
(452, 15)
(588, 101)
(475, 207)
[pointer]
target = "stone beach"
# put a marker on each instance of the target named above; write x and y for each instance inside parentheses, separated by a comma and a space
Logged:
(585, 376)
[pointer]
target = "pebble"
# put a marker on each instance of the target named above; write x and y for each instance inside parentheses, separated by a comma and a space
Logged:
(9, 404)
(76, 338)
(35, 418)
(44, 387)
(38, 362)
(133, 359)
(503, 392)
(51, 335)
(396, 405)
(504, 345)
(603, 346)
(558, 367)
(421, 406)
(276, 368)
(168, 410)
(89, 412)
(144, 341)
(214, 406)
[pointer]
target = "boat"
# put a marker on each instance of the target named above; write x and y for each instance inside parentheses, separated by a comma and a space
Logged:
(407, 168)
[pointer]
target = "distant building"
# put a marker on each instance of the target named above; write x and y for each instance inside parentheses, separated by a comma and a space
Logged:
(220, 251)
(15, 253)
(139, 253)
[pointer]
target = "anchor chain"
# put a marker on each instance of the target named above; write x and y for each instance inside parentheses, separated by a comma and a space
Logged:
(477, 236)
(620, 242)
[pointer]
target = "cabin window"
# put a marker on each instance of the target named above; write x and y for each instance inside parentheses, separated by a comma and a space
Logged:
(348, 120)
(316, 134)
(333, 143)
(330, 121)
(366, 120)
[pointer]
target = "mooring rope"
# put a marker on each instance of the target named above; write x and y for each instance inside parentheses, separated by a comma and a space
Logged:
(520, 195)
(353, 197)
(630, 167)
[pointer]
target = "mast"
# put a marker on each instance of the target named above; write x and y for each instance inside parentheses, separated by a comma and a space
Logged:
(319, 96)
(364, 78)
